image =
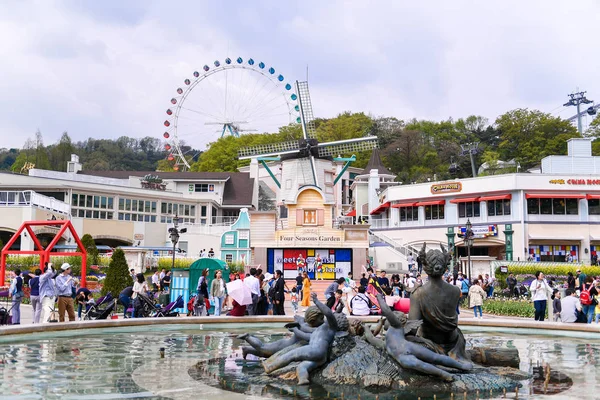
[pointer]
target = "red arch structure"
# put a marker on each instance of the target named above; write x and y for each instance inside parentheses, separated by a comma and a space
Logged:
(44, 253)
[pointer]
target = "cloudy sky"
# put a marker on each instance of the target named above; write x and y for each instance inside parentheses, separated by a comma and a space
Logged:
(106, 69)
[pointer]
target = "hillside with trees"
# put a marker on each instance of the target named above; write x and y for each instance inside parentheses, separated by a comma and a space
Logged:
(415, 150)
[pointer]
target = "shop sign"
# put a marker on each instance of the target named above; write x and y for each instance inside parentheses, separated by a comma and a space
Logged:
(592, 182)
(448, 187)
(480, 231)
(138, 236)
(504, 269)
(310, 238)
(356, 235)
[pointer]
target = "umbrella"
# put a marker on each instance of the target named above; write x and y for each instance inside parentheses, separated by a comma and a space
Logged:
(239, 292)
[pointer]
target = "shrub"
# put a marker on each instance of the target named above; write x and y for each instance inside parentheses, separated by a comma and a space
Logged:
(558, 272)
(180, 263)
(117, 275)
(235, 267)
(515, 307)
(90, 246)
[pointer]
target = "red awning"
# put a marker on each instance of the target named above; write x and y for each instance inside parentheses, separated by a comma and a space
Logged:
(554, 196)
(465, 200)
(351, 214)
(431, 203)
(593, 196)
(400, 205)
(499, 197)
(381, 208)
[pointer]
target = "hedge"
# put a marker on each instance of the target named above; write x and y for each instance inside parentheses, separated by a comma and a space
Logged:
(518, 307)
(180, 263)
(559, 272)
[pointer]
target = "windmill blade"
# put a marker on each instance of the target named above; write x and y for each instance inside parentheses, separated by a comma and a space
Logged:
(347, 146)
(268, 150)
(307, 117)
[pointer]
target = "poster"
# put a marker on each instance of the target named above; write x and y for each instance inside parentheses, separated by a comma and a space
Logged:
(336, 262)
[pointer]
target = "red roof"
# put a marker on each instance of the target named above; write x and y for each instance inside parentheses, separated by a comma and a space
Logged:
(498, 197)
(381, 208)
(351, 214)
(465, 200)
(400, 205)
(431, 203)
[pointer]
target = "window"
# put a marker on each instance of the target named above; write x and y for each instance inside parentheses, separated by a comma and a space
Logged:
(555, 206)
(186, 212)
(468, 209)
(139, 210)
(244, 235)
(229, 238)
(310, 217)
(409, 213)
(435, 211)
(594, 206)
(204, 187)
(82, 203)
(283, 212)
(228, 258)
(498, 207)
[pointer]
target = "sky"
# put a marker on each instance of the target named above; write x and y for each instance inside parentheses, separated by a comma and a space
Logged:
(109, 69)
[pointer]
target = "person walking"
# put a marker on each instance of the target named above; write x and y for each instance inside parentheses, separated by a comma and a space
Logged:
(476, 296)
(556, 305)
(586, 298)
(278, 294)
(539, 294)
(299, 282)
(36, 305)
(305, 290)
(200, 307)
(65, 284)
(217, 292)
(139, 287)
(16, 292)
(155, 281)
(252, 282)
(47, 293)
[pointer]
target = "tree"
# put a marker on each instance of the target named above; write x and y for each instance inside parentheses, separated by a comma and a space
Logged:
(117, 275)
(90, 246)
(61, 152)
(530, 135)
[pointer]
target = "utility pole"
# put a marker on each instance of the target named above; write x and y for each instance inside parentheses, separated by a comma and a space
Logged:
(576, 99)
(471, 149)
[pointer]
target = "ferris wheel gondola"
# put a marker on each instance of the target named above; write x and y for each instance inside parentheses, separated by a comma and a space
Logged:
(235, 96)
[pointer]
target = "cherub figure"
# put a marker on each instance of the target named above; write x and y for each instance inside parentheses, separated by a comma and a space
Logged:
(316, 352)
(410, 355)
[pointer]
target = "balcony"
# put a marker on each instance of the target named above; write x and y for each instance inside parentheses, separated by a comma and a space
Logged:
(380, 223)
(31, 198)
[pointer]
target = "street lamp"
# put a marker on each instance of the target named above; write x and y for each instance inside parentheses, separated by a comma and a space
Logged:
(469, 239)
(174, 234)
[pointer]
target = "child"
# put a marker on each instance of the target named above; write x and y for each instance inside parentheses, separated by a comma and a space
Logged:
(556, 304)
(294, 298)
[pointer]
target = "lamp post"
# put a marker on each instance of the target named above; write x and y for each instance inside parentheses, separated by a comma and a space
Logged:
(469, 243)
(174, 234)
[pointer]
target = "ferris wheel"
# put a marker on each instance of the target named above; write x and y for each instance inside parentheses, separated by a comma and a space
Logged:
(228, 98)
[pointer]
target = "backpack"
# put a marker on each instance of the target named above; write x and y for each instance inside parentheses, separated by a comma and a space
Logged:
(585, 297)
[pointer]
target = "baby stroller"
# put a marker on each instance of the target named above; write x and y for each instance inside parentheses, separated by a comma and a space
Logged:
(147, 306)
(169, 309)
(97, 310)
(5, 317)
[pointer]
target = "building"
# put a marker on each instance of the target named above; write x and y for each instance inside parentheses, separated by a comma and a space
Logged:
(553, 215)
(126, 208)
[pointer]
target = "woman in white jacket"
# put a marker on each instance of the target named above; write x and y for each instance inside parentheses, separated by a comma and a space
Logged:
(540, 290)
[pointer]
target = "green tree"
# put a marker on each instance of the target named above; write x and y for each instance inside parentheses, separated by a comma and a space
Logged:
(60, 153)
(117, 275)
(90, 246)
(529, 135)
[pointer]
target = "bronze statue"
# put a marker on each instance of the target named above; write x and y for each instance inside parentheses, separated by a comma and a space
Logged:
(316, 352)
(435, 303)
(411, 355)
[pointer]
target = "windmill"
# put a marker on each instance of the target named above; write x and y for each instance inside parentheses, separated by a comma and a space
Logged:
(306, 151)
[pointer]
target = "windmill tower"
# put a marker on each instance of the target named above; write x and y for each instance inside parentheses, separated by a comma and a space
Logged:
(304, 161)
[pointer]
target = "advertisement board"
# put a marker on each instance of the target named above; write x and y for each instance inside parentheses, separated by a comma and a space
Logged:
(336, 262)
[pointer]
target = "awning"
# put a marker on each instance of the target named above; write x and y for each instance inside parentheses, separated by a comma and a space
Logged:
(400, 205)
(593, 196)
(554, 196)
(465, 200)
(381, 208)
(430, 203)
(351, 214)
(498, 197)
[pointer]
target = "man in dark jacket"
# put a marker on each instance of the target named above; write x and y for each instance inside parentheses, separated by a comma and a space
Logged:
(278, 294)
(511, 281)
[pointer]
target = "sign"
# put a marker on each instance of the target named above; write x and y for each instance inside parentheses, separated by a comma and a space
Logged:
(589, 182)
(479, 232)
(504, 269)
(356, 235)
(335, 263)
(138, 236)
(309, 236)
(448, 187)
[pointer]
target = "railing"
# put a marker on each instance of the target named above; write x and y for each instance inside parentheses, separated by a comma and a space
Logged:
(401, 249)
(222, 221)
(205, 228)
(379, 223)
(31, 198)
(339, 221)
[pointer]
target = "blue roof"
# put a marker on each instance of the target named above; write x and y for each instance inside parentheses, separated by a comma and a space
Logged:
(243, 221)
